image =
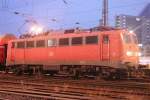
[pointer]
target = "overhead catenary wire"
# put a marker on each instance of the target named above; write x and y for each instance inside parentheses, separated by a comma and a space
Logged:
(74, 13)
(97, 9)
(4, 4)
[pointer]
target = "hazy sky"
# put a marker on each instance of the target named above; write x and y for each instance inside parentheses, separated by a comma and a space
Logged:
(66, 14)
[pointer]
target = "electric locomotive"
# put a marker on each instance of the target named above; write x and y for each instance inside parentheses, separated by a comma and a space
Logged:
(97, 52)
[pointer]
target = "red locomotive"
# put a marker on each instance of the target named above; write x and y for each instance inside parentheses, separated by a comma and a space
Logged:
(76, 52)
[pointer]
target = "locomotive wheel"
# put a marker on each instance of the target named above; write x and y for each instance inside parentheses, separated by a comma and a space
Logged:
(18, 71)
(114, 74)
(49, 72)
(2, 67)
(30, 71)
(121, 74)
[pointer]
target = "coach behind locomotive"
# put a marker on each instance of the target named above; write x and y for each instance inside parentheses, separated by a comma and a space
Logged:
(3, 48)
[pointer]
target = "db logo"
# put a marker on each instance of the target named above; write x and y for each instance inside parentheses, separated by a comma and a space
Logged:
(51, 54)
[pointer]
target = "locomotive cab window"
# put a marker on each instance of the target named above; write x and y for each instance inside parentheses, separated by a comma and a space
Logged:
(20, 44)
(127, 38)
(51, 42)
(105, 39)
(77, 40)
(30, 44)
(40, 43)
(134, 39)
(91, 40)
(64, 41)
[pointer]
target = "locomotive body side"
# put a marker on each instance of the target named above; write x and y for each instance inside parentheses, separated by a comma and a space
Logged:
(96, 52)
(105, 49)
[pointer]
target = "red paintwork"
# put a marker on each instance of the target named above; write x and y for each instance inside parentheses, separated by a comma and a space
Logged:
(115, 51)
(1, 54)
(3, 42)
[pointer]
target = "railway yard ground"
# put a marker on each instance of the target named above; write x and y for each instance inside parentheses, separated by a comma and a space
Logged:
(14, 87)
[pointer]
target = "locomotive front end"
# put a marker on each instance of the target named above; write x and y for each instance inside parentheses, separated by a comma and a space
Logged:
(130, 50)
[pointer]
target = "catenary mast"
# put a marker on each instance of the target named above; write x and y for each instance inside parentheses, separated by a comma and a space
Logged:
(105, 13)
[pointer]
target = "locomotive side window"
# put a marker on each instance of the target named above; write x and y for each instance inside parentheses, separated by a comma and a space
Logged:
(13, 45)
(20, 44)
(64, 41)
(51, 42)
(91, 40)
(40, 43)
(30, 44)
(105, 39)
(76, 41)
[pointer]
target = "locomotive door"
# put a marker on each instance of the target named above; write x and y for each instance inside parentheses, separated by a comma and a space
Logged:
(3, 54)
(13, 52)
(105, 47)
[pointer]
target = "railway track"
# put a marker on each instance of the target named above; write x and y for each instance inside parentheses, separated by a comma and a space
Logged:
(91, 83)
(67, 89)
(45, 95)
(63, 93)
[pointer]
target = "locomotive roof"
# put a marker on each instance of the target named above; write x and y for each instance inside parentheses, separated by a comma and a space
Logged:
(74, 34)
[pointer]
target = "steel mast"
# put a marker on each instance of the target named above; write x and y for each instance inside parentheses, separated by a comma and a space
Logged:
(105, 13)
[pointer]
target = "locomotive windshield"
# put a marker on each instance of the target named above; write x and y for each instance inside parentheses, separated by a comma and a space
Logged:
(126, 38)
(134, 39)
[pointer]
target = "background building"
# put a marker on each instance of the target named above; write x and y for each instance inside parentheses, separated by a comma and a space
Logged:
(146, 12)
(140, 25)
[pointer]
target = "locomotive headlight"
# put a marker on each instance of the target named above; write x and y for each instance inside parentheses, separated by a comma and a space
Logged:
(129, 53)
(131, 31)
(139, 53)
